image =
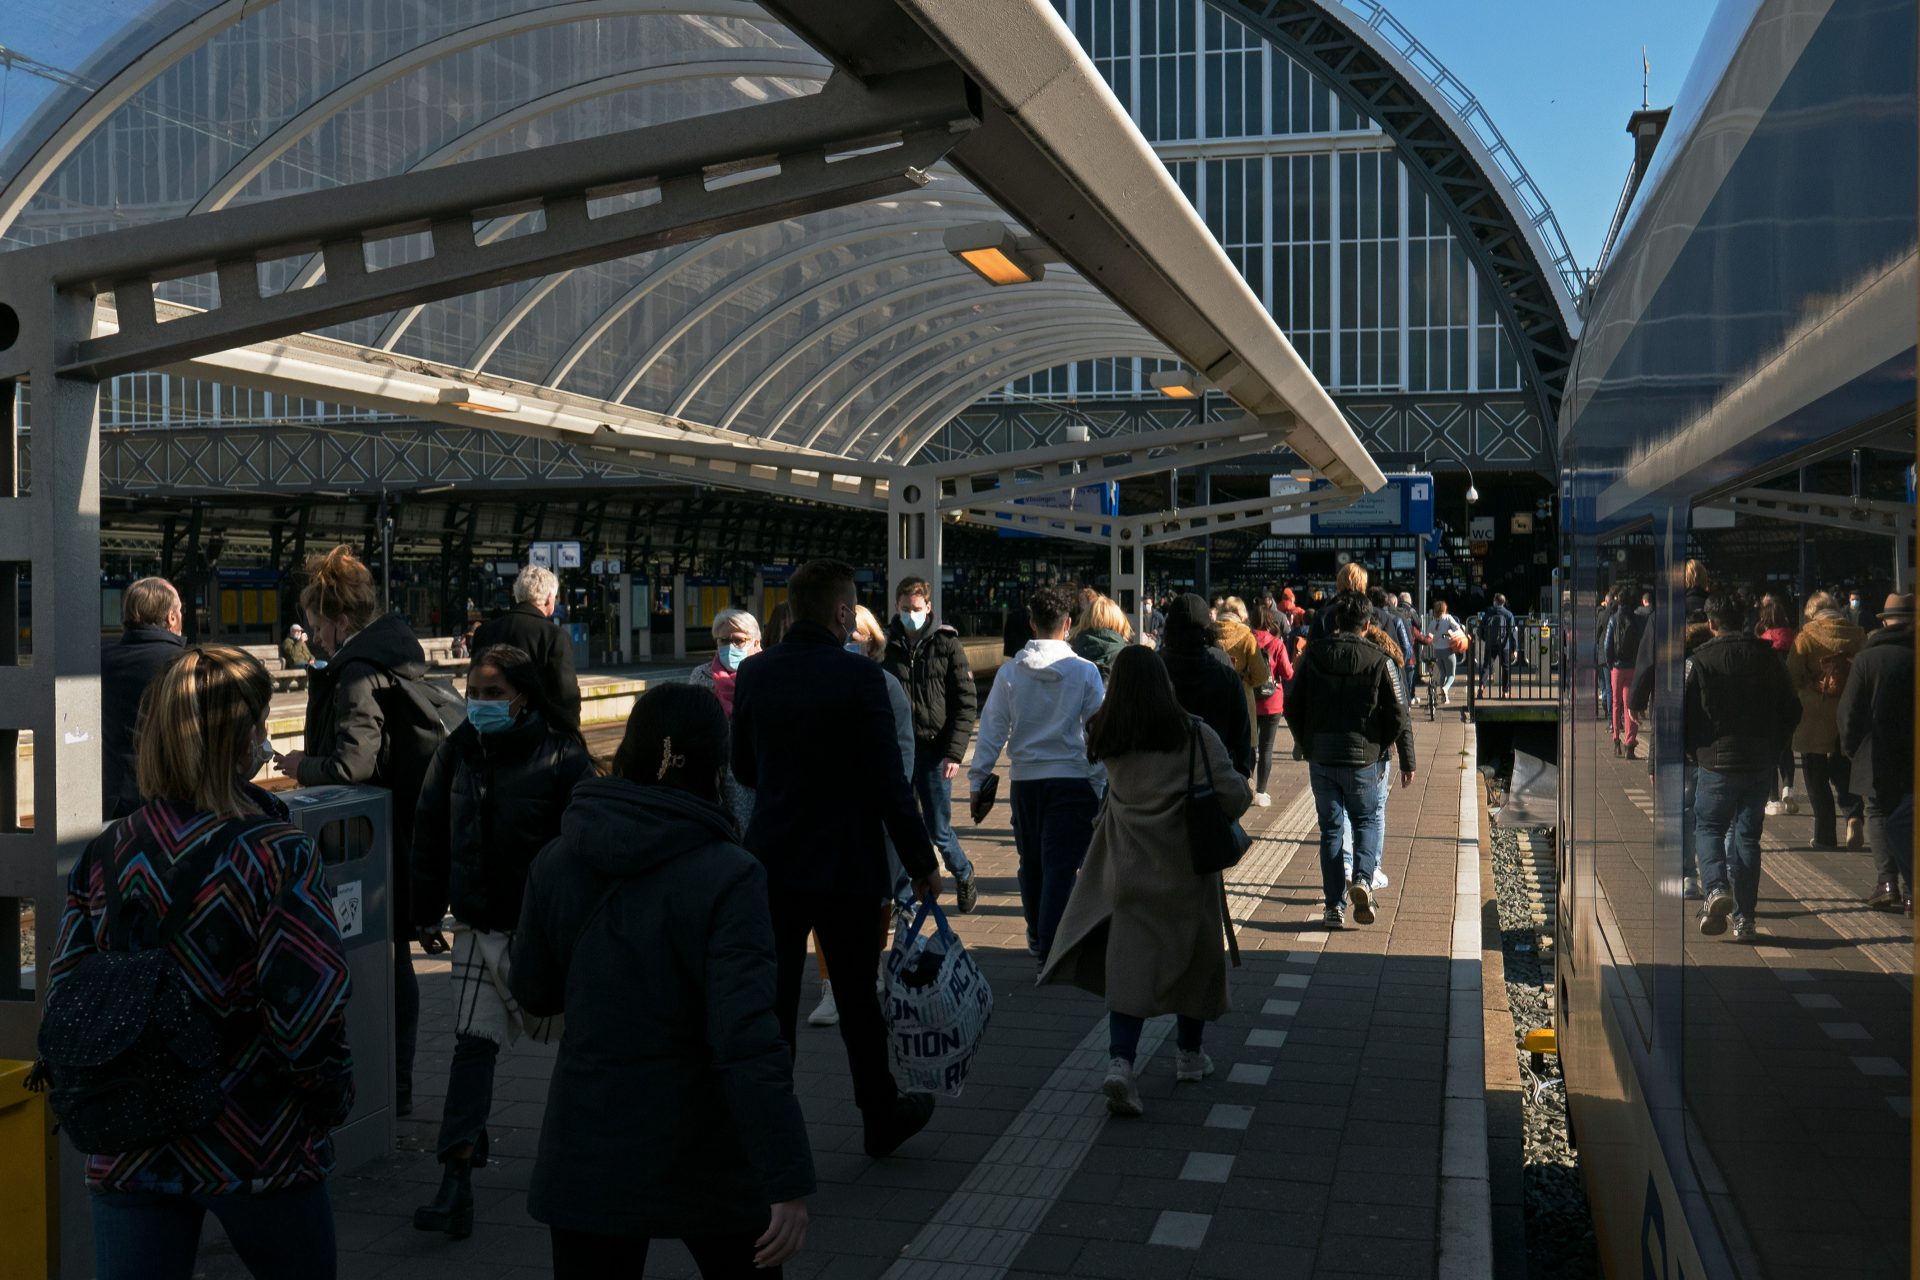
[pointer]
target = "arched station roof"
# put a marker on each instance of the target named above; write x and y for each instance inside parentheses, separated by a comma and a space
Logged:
(850, 331)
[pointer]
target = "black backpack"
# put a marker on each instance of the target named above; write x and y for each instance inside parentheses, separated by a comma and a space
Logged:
(132, 1057)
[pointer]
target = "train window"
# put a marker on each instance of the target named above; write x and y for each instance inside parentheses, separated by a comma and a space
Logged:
(1797, 952)
(1621, 835)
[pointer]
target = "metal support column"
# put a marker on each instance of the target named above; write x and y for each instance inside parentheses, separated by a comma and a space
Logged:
(913, 531)
(1126, 573)
(679, 617)
(1203, 558)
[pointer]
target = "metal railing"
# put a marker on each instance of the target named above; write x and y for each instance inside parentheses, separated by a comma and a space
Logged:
(1531, 675)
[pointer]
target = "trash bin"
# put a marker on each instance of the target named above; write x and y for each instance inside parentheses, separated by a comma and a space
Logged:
(23, 1176)
(353, 829)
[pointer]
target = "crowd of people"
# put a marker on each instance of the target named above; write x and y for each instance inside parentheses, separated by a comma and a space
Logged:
(653, 913)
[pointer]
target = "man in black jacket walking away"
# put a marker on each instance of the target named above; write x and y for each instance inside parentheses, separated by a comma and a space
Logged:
(813, 735)
(1499, 642)
(1740, 711)
(150, 620)
(529, 627)
(1876, 732)
(1345, 711)
(929, 661)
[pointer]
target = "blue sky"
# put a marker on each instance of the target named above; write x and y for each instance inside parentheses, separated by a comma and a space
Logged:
(1560, 78)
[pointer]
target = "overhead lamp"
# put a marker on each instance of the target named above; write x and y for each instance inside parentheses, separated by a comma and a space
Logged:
(478, 399)
(1077, 433)
(1473, 494)
(1301, 475)
(996, 254)
(1179, 385)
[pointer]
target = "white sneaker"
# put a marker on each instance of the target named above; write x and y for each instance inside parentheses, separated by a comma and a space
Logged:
(826, 1013)
(1122, 1090)
(1379, 878)
(1191, 1066)
(1775, 808)
(1446, 697)
(1262, 799)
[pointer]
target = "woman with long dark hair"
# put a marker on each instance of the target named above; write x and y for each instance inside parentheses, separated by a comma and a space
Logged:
(671, 1112)
(492, 799)
(1141, 928)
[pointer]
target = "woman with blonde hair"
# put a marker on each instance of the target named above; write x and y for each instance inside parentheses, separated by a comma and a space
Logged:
(367, 724)
(1103, 631)
(1244, 654)
(1818, 666)
(210, 869)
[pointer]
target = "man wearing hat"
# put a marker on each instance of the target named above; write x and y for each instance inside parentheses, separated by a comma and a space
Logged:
(294, 652)
(1876, 732)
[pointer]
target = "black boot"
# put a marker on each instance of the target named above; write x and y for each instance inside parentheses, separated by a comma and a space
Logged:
(452, 1207)
(889, 1126)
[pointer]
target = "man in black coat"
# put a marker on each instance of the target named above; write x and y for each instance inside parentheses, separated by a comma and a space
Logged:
(813, 735)
(1740, 711)
(1876, 733)
(1204, 679)
(1499, 642)
(930, 663)
(1345, 711)
(150, 621)
(529, 626)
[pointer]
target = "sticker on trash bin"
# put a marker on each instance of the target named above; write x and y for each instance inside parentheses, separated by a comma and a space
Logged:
(346, 909)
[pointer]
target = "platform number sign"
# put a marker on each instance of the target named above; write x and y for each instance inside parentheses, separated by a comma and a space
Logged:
(348, 909)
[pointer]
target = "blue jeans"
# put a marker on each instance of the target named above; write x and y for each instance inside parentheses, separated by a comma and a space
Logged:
(934, 790)
(1351, 794)
(1346, 828)
(155, 1235)
(1123, 1034)
(1052, 827)
(1728, 810)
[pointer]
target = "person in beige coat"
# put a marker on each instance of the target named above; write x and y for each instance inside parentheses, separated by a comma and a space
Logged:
(1822, 655)
(1141, 928)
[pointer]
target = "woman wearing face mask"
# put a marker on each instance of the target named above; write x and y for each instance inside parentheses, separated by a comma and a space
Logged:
(736, 637)
(492, 799)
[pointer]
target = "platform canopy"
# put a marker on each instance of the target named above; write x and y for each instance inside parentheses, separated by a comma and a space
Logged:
(837, 323)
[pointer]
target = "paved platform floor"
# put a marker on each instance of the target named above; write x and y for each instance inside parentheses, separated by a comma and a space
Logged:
(1316, 1149)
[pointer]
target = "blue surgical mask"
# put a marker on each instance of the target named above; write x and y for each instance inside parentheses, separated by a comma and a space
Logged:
(853, 645)
(731, 656)
(914, 619)
(489, 717)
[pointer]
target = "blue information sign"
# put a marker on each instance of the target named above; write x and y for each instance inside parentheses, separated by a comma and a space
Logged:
(1403, 506)
(1088, 499)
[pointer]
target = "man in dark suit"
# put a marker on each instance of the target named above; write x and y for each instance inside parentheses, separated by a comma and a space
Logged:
(150, 620)
(814, 736)
(529, 626)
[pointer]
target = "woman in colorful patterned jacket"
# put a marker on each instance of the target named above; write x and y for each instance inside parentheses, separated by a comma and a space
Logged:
(260, 950)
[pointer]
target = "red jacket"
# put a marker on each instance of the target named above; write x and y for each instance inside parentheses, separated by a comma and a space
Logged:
(1276, 650)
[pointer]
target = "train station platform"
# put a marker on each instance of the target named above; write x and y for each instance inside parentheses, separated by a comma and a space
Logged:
(1344, 1131)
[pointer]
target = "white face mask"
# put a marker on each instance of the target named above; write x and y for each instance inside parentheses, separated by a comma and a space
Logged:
(262, 753)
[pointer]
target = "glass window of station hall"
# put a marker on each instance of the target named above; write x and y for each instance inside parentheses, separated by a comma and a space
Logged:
(1348, 250)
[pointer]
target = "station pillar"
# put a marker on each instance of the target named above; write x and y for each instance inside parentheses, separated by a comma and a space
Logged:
(913, 532)
(1126, 574)
(679, 617)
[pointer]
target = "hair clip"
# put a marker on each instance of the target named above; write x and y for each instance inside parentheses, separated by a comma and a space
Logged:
(668, 760)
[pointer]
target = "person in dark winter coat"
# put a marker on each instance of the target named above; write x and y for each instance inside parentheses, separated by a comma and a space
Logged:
(1876, 731)
(1740, 711)
(931, 665)
(364, 728)
(529, 627)
(1345, 710)
(813, 734)
(492, 799)
(1204, 678)
(1499, 643)
(1626, 631)
(671, 1110)
(258, 948)
(150, 620)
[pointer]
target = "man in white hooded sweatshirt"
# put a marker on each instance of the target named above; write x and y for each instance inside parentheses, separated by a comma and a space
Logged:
(1038, 711)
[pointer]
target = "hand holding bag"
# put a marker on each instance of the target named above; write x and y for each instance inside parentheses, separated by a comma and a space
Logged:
(1214, 841)
(938, 1005)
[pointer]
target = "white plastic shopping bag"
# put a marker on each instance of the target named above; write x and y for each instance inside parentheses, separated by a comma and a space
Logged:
(938, 1005)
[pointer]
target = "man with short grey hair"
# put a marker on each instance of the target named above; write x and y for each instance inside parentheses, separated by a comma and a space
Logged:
(151, 621)
(529, 625)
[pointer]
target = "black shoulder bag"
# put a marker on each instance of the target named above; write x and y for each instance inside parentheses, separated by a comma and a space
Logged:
(1214, 841)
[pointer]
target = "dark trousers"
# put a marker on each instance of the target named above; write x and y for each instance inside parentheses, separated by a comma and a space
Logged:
(591, 1257)
(469, 1091)
(1268, 726)
(1828, 774)
(155, 1235)
(849, 930)
(1890, 831)
(406, 1016)
(1052, 827)
(1123, 1034)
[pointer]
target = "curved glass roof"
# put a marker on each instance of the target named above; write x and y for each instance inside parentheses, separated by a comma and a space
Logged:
(850, 331)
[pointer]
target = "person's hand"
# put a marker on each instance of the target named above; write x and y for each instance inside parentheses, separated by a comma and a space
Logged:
(1406, 777)
(927, 888)
(289, 763)
(785, 1235)
(431, 940)
(949, 769)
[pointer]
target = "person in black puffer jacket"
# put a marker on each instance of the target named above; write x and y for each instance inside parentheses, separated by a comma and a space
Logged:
(930, 662)
(1204, 678)
(492, 799)
(671, 1111)
(1740, 712)
(1876, 730)
(1345, 710)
